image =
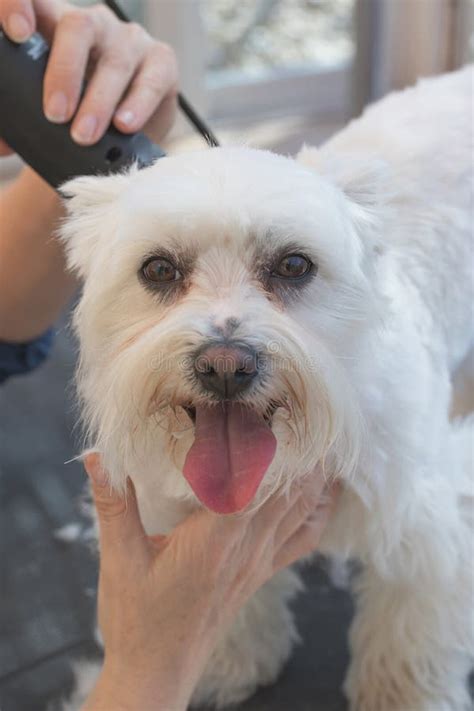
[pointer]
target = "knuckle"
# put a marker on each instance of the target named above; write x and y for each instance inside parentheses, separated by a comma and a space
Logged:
(117, 61)
(152, 83)
(103, 15)
(60, 69)
(110, 508)
(165, 55)
(78, 20)
(166, 51)
(136, 34)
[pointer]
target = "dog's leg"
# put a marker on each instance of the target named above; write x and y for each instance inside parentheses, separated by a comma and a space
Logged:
(412, 640)
(254, 649)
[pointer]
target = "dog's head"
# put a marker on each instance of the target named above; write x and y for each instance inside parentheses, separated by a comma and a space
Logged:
(225, 294)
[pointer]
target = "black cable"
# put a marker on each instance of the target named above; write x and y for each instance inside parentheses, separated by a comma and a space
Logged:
(197, 121)
(117, 10)
(184, 104)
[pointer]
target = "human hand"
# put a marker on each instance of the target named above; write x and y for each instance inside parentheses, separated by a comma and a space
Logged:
(132, 78)
(163, 599)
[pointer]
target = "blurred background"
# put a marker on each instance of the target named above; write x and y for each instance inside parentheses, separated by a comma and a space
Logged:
(273, 74)
(277, 73)
(280, 72)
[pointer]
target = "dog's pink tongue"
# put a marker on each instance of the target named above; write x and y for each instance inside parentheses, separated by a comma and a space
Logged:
(233, 448)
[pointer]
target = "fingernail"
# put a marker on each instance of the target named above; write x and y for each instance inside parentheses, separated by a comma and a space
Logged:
(18, 27)
(125, 116)
(56, 107)
(84, 130)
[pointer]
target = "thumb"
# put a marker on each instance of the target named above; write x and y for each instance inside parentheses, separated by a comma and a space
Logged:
(121, 533)
(18, 19)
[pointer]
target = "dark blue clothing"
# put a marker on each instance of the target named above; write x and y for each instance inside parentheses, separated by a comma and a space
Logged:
(20, 358)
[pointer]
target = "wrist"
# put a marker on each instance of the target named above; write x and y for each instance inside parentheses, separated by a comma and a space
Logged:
(139, 688)
(162, 680)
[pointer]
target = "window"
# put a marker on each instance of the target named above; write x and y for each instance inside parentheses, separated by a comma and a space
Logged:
(266, 56)
(261, 57)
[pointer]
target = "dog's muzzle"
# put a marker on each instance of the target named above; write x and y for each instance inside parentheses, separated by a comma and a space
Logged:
(226, 369)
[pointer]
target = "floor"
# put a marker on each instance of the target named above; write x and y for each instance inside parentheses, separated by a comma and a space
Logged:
(47, 583)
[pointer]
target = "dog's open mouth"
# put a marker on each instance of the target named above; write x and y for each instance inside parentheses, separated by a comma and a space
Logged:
(190, 410)
(233, 448)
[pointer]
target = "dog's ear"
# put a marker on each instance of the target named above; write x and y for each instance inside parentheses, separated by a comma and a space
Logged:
(365, 181)
(89, 203)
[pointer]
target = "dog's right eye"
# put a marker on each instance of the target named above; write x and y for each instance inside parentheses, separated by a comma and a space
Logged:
(158, 270)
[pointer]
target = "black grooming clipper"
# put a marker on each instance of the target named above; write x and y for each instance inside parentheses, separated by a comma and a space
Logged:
(48, 148)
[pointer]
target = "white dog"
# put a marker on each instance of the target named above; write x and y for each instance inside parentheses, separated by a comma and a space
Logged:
(245, 316)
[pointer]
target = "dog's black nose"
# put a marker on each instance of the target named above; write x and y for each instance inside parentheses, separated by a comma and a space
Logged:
(226, 370)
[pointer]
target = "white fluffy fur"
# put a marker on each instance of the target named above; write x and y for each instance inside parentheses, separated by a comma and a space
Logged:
(362, 360)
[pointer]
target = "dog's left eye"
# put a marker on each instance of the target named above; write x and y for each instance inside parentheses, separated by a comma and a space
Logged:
(159, 270)
(293, 266)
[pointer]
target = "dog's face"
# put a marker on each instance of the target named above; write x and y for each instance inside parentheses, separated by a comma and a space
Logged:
(225, 293)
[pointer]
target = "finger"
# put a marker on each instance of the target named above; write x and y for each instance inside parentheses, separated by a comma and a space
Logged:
(5, 149)
(163, 119)
(276, 508)
(48, 13)
(20, 18)
(306, 538)
(122, 538)
(111, 77)
(156, 80)
(73, 40)
(305, 503)
(17, 18)
(269, 515)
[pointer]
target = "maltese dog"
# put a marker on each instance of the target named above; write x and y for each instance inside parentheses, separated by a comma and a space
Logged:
(246, 316)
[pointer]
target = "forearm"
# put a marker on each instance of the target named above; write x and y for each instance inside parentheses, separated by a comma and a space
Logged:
(35, 285)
